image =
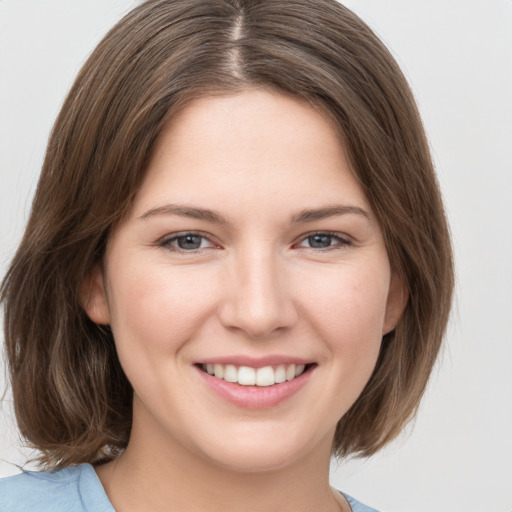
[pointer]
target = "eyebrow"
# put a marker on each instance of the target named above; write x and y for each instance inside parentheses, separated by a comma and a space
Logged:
(302, 217)
(312, 214)
(186, 211)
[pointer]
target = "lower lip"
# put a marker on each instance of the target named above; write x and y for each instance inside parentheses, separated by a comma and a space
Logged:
(255, 397)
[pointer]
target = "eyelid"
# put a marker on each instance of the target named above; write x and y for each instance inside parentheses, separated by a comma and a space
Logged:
(167, 240)
(345, 240)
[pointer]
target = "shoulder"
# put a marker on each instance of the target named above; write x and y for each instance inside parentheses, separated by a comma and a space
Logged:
(72, 489)
(357, 506)
(42, 490)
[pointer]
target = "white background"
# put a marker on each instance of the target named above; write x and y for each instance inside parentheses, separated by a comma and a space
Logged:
(457, 54)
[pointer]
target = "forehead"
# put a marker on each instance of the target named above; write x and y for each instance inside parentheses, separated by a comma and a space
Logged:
(243, 147)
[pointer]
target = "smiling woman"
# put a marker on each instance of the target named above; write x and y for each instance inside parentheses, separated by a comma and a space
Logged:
(270, 291)
(237, 264)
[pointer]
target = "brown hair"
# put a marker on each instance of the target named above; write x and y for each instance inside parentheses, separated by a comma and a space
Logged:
(72, 399)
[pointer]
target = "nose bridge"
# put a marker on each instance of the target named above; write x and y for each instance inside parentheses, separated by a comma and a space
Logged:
(258, 301)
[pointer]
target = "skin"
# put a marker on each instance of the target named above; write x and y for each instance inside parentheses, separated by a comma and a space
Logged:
(255, 287)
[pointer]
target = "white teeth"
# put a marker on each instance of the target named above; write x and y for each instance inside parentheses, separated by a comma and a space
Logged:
(247, 376)
(280, 374)
(219, 371)
(265, 376)
(230, 373)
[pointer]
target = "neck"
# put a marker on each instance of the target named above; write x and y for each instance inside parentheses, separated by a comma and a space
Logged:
(157, 473)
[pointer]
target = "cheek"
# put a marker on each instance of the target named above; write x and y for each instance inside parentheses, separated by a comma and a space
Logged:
(158, 309)
(347, 307)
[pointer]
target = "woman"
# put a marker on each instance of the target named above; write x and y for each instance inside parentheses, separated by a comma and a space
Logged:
(237, 264)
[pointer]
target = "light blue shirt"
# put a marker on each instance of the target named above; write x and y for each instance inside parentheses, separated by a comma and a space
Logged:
(73, 489)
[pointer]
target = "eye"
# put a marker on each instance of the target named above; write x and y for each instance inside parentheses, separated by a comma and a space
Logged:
(187, 242)
(324, 241)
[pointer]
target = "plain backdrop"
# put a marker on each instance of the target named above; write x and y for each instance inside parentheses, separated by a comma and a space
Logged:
(457, 55)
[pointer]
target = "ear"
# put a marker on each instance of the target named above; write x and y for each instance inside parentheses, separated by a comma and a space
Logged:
(398, 296)
(94, 298)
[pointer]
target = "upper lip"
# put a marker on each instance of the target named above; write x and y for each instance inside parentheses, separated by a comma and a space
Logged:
(256, 362)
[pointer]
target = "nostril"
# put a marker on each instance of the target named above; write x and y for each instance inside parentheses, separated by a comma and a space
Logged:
(258, 320)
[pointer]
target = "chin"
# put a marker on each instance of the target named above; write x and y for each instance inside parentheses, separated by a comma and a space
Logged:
(252, 461)
(274, 452)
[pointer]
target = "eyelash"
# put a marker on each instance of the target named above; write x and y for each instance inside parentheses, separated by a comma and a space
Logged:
(167, 243)
(342, 240)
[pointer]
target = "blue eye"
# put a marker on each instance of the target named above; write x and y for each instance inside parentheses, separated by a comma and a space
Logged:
(187, 242)
(324, 241)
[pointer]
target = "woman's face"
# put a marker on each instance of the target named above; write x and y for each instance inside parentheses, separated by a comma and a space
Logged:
(251, 253)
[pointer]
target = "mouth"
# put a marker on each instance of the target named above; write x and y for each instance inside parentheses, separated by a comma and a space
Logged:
(265, 376)
(255, 383)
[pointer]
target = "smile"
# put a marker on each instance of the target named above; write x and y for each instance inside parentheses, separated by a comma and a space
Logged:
(255, 383)
(248, 376)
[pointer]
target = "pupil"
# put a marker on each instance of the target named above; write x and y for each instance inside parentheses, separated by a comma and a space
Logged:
(319, 241)
(189, 242)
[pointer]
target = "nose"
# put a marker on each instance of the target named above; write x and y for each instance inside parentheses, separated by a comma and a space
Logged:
(257, 298)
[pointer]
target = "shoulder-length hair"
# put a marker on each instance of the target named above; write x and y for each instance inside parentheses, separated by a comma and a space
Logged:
(72, 399)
